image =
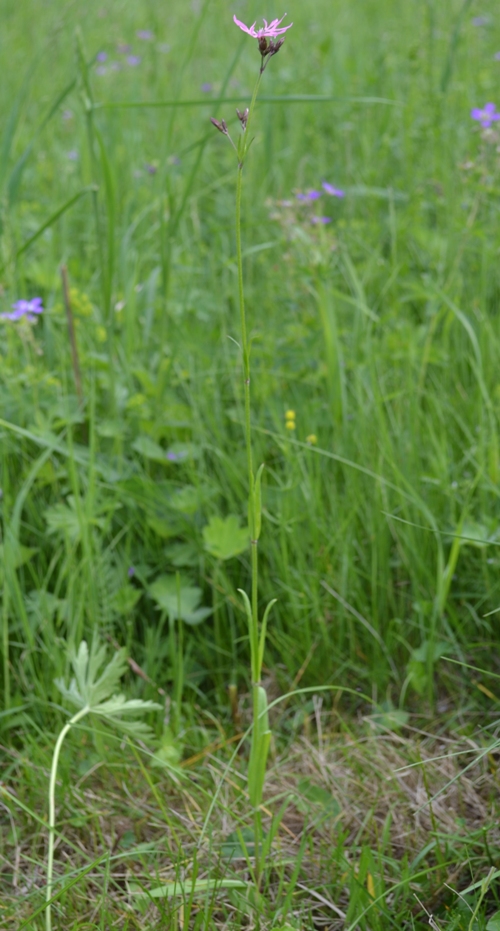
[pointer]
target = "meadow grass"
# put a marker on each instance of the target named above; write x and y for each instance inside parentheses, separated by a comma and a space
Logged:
(379, 330)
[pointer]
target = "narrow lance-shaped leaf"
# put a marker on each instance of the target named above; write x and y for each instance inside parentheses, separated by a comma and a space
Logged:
(263, 631)
(261, 739)
(253, 636)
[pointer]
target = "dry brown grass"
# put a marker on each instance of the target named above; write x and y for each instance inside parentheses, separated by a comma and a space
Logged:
(396, 793)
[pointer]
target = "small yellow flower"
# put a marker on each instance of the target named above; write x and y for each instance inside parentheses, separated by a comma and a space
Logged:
(290, 424)
(290, 415)
(312, 439)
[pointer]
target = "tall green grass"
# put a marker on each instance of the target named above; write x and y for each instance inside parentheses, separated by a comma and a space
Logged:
(379, 330)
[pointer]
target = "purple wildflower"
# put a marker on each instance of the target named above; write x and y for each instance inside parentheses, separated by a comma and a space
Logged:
(206, 87)
(28, 309)
(486, 116)
(496, 56)
(151, 169)
(67, 114)
(145, 34)
(133, 60)
(311, 195)
(268, 31)
(131, 572)
(179, 454)
(321, 220)
(101, 56)
(72, 155)
(333, 191)
(123, 49)
(480, 21)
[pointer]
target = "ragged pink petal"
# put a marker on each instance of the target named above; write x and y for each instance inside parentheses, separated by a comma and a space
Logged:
(250, 31)
(269, 30)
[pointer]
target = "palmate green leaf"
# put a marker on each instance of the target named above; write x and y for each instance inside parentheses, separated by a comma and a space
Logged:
(224, 538)
(180, 602)
(94, 688)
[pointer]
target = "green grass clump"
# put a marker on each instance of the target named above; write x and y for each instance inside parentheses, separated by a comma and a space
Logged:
(121, 501)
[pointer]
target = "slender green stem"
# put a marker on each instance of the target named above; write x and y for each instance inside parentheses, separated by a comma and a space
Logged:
(253, 517)
(52, 809)
(249, 118)
(245, 351)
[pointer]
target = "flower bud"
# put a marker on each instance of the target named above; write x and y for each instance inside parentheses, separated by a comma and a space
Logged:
(243, 117)
(220, 125)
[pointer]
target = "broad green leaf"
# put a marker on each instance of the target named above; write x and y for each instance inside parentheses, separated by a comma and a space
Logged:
(182, 555)
(183, 604)
(126, 599)
(239, 843)
(224, 538)
(418, 666)
(149, 449)
(426, 651)
(169, 752)
(310, 797)
(187, 500)
(388, 718)
(166, 527)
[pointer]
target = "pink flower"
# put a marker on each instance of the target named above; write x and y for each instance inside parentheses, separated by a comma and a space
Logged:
(268, 31)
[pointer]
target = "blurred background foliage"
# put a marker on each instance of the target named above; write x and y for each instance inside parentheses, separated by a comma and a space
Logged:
(379, 329)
